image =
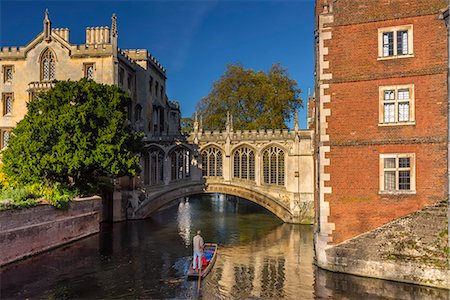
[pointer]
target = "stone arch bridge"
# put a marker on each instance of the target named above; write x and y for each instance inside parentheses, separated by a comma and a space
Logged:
(273, 168)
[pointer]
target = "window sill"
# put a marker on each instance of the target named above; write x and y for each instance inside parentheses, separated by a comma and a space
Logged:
(397, 124)
(395, 56)
(397, 193)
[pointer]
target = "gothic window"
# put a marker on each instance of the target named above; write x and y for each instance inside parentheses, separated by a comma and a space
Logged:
(121, 75)
(180, 163)
(89, 71)
(137, 112)
(150, 85)
(212, 162)
(244, 163)
(273, 166)
(47, 65)
(5, 138)
(7, 73)
(154, 166)
(7, 103)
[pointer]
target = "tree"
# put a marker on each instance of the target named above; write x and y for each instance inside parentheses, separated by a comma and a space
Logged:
(187, 125)
(75, 132)
(256, 100)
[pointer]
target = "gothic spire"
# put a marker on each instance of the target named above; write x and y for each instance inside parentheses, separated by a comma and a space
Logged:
(47, 26)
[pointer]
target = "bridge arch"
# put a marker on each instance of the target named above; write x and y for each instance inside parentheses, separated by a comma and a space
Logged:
(158, 200)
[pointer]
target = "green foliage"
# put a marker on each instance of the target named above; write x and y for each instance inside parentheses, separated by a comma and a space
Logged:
(17, 198)
(256, 100)
(187, 125)
(57, 195)
(73, 134)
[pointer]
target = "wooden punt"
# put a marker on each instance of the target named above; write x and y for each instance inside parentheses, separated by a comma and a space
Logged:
(210, 253)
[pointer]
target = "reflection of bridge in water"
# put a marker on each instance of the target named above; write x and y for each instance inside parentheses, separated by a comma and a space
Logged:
(273, 168)
(268, 268)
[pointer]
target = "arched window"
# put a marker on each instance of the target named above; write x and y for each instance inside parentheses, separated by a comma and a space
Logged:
(154, 166)
(212, 162)
(244, 163)
(47, 65)
(273, 166)
(137, 112)
(180, 163)
(5, 139)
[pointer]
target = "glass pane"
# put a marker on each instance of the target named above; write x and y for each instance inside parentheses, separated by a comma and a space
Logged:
(9, 74)
(389, 113)
(404, 162)
(403, 112)
(389, 180)
(404, 180)
(389, 95)
(388, 44)
(236, 165)
(402, 42)
(403, 94)
(389, 163)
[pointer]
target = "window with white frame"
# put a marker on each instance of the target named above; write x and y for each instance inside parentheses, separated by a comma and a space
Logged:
(397, 173)
(397, 104)
(395, 42)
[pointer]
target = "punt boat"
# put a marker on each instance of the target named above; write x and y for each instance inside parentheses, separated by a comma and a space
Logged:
(210, 253)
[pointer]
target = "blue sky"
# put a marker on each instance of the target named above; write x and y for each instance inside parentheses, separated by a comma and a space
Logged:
(194, 40)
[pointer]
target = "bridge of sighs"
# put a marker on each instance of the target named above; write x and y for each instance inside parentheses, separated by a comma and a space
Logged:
(273, 168)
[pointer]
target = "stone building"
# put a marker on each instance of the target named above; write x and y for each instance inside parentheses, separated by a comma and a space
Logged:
(381, 127)
(50, 56)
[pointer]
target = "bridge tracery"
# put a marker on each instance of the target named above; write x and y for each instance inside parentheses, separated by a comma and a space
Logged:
(212, 162)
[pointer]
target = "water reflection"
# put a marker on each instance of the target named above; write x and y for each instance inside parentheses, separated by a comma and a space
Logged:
(259, 257)
(184, 220)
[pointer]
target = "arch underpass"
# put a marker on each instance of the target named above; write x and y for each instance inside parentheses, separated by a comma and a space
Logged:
(158, 200)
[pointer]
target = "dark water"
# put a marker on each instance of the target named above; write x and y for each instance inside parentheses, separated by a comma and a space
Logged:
(259, 257)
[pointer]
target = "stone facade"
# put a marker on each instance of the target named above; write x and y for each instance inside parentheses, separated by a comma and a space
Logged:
(28, 70)
(382, 116)
(273, 168)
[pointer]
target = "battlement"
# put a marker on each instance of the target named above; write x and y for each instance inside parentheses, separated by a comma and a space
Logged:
(245, 135)
(39, 86)
(136, 54)
(156, 62)
(12, 52)
(91, 50)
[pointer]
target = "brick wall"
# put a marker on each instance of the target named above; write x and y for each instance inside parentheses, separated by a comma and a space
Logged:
(356, 139)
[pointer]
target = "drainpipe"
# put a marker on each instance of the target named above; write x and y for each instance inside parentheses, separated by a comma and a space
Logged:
(445, 16)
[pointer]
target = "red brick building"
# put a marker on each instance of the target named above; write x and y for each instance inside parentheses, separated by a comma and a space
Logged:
(381, 105)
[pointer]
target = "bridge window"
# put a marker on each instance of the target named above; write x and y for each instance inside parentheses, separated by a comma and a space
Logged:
(212, 162)
(273, 166)
(154, 167)
(180, 163)
(244, 164)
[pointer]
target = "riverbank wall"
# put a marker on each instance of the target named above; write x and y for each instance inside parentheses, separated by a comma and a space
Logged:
(25, 232)
(412, 249)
